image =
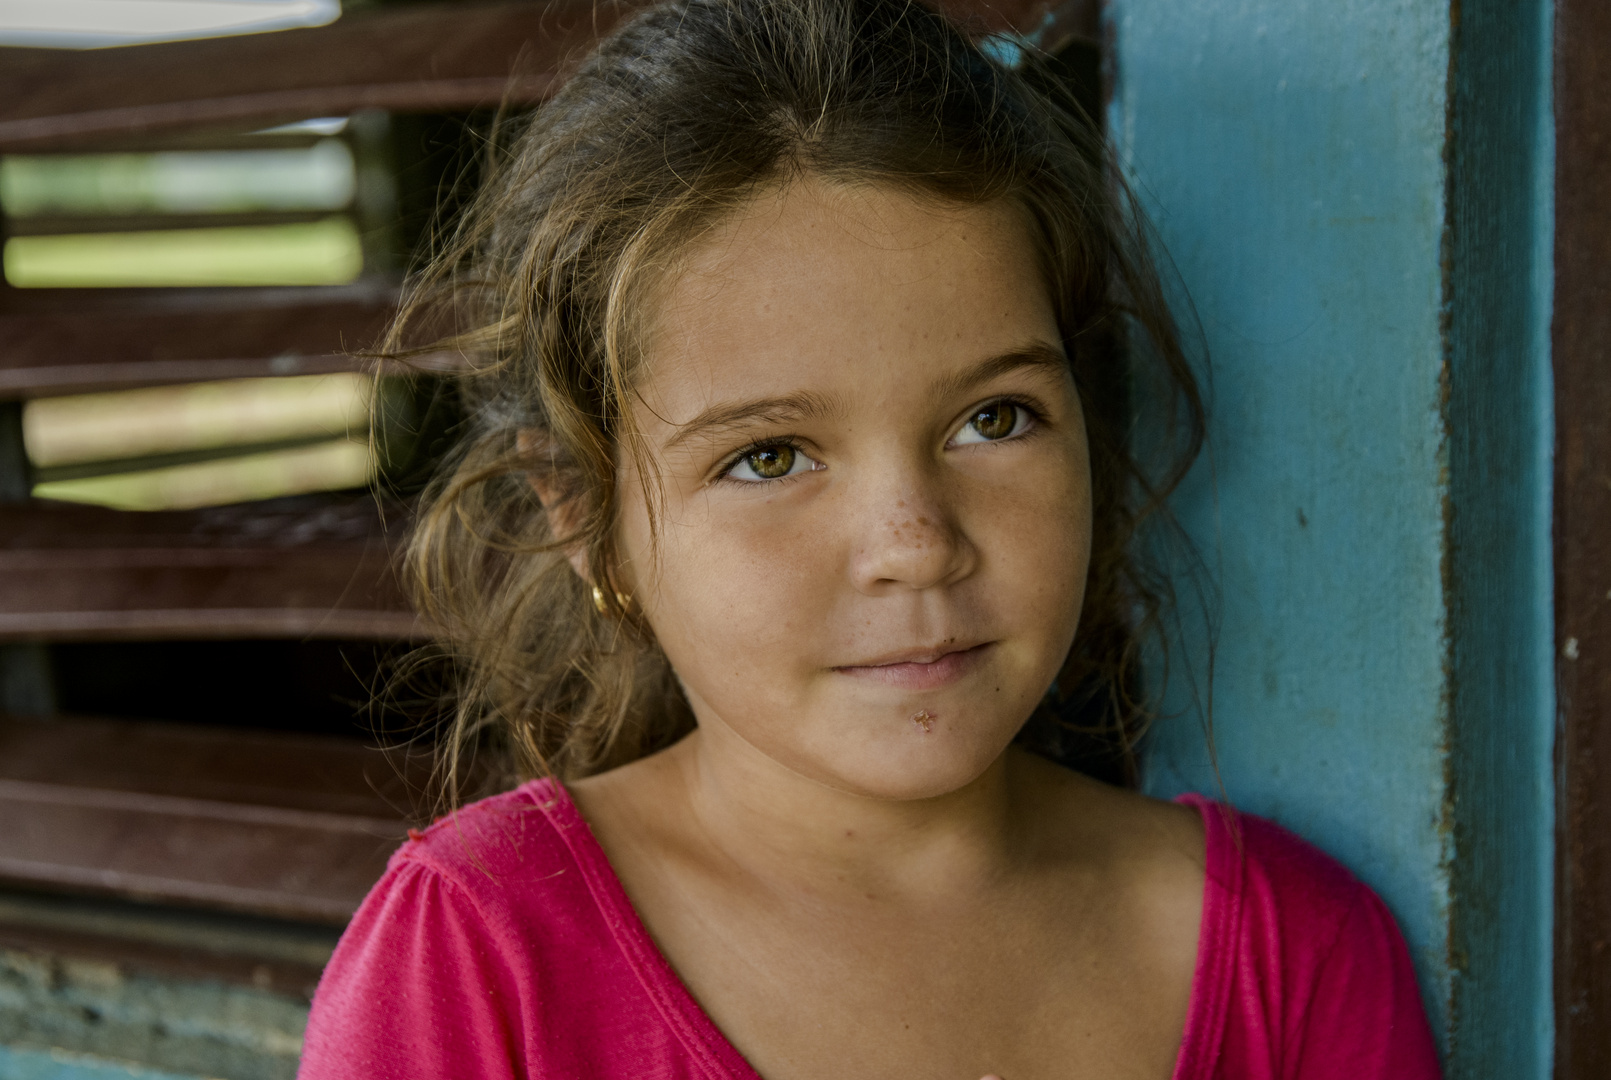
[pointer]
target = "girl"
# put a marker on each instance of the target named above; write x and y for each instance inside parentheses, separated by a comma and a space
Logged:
(804, 338)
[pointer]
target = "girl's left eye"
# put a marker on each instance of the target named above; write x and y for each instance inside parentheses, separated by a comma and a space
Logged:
(771, 462)
(992, 423)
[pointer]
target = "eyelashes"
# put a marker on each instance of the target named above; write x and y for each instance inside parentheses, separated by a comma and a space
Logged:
(1002, 419)
(995, 421)
(775, 460)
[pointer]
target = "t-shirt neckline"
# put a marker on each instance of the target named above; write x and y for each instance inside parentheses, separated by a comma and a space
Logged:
(718, 1057)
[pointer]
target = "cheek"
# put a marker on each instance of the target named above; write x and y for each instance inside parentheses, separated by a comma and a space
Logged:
(1036, 535)
(734, 593)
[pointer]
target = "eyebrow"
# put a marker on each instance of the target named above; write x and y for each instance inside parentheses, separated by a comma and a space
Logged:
(790, 408)
(1035, 355)
(808, 405)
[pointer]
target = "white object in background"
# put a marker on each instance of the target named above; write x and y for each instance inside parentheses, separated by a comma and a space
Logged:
(91, 24)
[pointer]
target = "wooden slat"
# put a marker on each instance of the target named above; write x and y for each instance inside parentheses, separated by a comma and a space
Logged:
(427, 58)
(76, 341)
(437, 58)
(288, 825)
(307, 773)
(1582, 355)
(117, 223)
(167, 961)
(304, 567)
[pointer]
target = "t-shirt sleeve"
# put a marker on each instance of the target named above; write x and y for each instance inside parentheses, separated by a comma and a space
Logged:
(416, 989)
(1365, 1020)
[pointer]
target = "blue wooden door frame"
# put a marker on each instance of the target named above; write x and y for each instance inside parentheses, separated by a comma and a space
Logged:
(1357, 196)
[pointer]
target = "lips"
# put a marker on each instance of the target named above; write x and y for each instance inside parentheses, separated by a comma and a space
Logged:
(919, 669)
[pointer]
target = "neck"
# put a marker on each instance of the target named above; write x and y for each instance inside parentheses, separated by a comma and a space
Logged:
(793, 831)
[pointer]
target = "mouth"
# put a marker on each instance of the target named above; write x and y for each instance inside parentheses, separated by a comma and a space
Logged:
(920, 669)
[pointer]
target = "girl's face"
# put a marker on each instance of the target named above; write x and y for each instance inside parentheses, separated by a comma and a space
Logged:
(875, 524)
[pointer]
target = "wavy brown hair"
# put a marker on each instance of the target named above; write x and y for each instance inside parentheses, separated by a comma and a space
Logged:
(676, 121)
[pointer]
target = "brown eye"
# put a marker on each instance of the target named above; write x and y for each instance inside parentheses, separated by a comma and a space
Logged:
(995, 421)
(771, 462)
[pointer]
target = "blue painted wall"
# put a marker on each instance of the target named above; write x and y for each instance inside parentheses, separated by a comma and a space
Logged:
(1355, 197)
(22, 1064)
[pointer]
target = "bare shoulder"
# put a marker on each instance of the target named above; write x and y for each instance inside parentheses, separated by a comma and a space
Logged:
(1100, 815)
(1150, 848)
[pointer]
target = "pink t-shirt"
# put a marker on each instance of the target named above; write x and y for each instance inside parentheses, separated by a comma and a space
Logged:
(500, 944)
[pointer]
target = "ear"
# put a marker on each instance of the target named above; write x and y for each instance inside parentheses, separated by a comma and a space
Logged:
(562, 512)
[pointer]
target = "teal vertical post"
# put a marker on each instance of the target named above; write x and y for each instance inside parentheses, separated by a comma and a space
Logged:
(1355, 196)
(1500, 580)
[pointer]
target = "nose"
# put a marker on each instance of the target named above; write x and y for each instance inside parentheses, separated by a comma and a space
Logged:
(908, 537)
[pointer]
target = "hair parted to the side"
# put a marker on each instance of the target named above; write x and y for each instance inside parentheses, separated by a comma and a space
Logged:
(678, 119)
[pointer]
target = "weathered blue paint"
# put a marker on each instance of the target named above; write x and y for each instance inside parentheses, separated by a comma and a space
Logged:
(1501, 589)
(20, 1064)
(1291, 156)
(1375, 688)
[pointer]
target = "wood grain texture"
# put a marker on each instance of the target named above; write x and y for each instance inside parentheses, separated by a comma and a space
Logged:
(418, 58)
(424, 58)
(1582, 351)
(301, 567)
(76, 341)
(295, 826)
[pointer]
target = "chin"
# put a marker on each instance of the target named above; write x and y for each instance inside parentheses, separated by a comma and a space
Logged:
(908, 766)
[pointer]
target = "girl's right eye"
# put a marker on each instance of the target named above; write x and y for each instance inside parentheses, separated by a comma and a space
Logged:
(773, 461)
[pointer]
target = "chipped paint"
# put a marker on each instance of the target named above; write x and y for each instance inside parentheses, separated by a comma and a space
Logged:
(66, 1018)
(1499, 590)
(1314, 172)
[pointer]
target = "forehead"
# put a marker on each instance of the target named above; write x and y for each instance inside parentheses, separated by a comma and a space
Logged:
(829, 287)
